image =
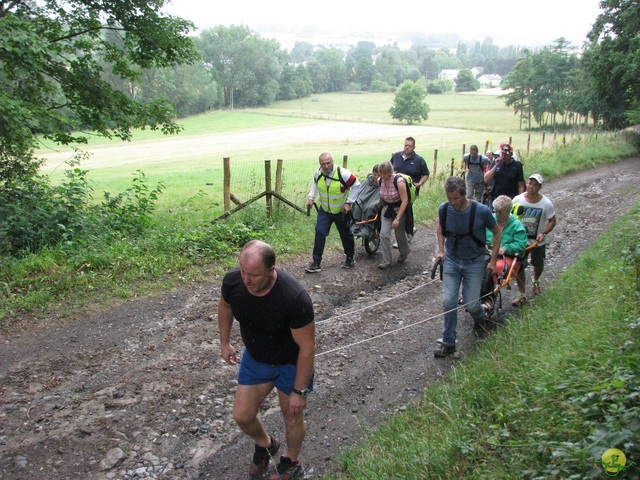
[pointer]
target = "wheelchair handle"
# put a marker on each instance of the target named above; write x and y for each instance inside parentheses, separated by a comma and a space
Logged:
(437, 263)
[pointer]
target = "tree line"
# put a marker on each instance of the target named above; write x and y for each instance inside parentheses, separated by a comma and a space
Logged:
(72, 70)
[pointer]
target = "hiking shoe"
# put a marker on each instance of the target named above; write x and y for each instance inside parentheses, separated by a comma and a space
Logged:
(402, 258)
(480, 328)
(536, 287)
(261, 458)
(349, 263)
(384, 265)
(444, 351)
(519, 300)
(313, 267)
(288, 470)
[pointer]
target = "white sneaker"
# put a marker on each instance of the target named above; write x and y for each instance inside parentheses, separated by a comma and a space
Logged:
(395, 245)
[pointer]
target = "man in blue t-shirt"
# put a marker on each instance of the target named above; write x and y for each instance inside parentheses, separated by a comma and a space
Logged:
(461, 246)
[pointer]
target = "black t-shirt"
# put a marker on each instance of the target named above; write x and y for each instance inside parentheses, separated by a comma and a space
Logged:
(265, 322)
(506, 178)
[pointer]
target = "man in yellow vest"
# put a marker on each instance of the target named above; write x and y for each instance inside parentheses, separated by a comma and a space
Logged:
(336, 189)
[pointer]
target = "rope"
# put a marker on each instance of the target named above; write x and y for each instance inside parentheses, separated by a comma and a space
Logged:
(399, 329)
(367, 307)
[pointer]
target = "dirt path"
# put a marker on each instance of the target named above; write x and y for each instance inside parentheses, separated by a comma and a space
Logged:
(139, 391)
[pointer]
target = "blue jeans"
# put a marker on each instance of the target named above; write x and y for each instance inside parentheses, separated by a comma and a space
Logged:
(323, 225)
(469, 274)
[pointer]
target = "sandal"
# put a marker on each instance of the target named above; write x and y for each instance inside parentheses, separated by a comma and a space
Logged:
(520, 299)
(536, 287)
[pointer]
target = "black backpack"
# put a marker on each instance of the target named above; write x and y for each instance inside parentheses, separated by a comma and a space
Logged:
(442, 214)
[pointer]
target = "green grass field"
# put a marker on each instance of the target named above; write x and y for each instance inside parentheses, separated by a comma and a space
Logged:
(354, 125)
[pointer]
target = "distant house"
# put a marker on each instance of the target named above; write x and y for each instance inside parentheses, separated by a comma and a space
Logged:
(452, 73)
(490, 80)
(448, 74)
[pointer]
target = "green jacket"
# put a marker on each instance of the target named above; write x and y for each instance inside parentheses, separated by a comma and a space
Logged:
(514, 236)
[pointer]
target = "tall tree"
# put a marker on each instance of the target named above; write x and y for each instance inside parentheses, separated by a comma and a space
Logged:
(51, 74)
(614, 61)
(329, 73)
(247, 66)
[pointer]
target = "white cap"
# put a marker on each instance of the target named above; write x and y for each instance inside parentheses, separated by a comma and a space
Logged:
(537, 178)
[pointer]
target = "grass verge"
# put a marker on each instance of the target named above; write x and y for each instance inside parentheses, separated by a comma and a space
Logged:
(544, 397)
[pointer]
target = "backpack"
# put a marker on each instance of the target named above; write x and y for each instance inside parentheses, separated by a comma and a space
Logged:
(411, 187)
(321, 174)
(442, 214)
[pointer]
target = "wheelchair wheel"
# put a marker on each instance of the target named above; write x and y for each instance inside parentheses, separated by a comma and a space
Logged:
(372, 244)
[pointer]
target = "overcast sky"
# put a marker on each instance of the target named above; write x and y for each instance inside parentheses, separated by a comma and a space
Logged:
(508, 22)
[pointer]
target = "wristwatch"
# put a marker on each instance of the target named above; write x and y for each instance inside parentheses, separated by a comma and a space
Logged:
(303, 393)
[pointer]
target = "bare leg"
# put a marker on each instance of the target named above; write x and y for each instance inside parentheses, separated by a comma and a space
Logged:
(248, 400)
(295, 429)
(521, 280)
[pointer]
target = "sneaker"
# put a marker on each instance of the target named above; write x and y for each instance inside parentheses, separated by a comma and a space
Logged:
(261, 458)
(313, 267)
(349, 263)
(288, 470)
(444, 351)
(384, 265)
(536, 287)
(395, 245)
(520, 299)
(402, 258)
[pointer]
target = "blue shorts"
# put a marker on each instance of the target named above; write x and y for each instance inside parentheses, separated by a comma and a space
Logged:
(253, 372)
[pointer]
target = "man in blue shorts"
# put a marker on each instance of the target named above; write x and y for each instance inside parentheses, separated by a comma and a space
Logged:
(277, 326)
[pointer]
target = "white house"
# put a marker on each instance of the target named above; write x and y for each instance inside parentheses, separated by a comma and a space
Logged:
(490, 79)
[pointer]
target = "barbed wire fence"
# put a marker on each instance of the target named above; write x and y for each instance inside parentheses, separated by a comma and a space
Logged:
(285, 183)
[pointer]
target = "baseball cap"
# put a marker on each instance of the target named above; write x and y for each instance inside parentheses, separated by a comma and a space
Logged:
(538, 178)
(505, 147)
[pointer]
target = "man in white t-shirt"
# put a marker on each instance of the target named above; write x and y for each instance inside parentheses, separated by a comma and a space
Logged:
(539, 219)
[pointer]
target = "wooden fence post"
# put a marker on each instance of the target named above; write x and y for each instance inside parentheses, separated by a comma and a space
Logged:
(543, 135)
(486, 147)
(528, 143)
(452, 162)
(226, 189)
(267, 186)
(435, 163)
(344, 161)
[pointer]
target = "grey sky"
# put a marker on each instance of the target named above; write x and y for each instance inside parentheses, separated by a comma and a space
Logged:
(508, 22)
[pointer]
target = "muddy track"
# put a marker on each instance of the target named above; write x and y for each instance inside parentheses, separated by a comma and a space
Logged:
(140, 390)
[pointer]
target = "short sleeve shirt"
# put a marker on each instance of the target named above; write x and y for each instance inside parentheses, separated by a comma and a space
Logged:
(266, 322)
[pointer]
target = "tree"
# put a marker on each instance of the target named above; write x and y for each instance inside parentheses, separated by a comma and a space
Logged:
(409, 103)
(189, 88)
(466, 82)
(333, 65)
(613, 61)
(247, 66)
(294, 83)
(51, 70)
(520, 85)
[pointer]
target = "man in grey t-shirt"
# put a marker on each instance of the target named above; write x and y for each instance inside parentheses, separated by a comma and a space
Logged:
(474, 166)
